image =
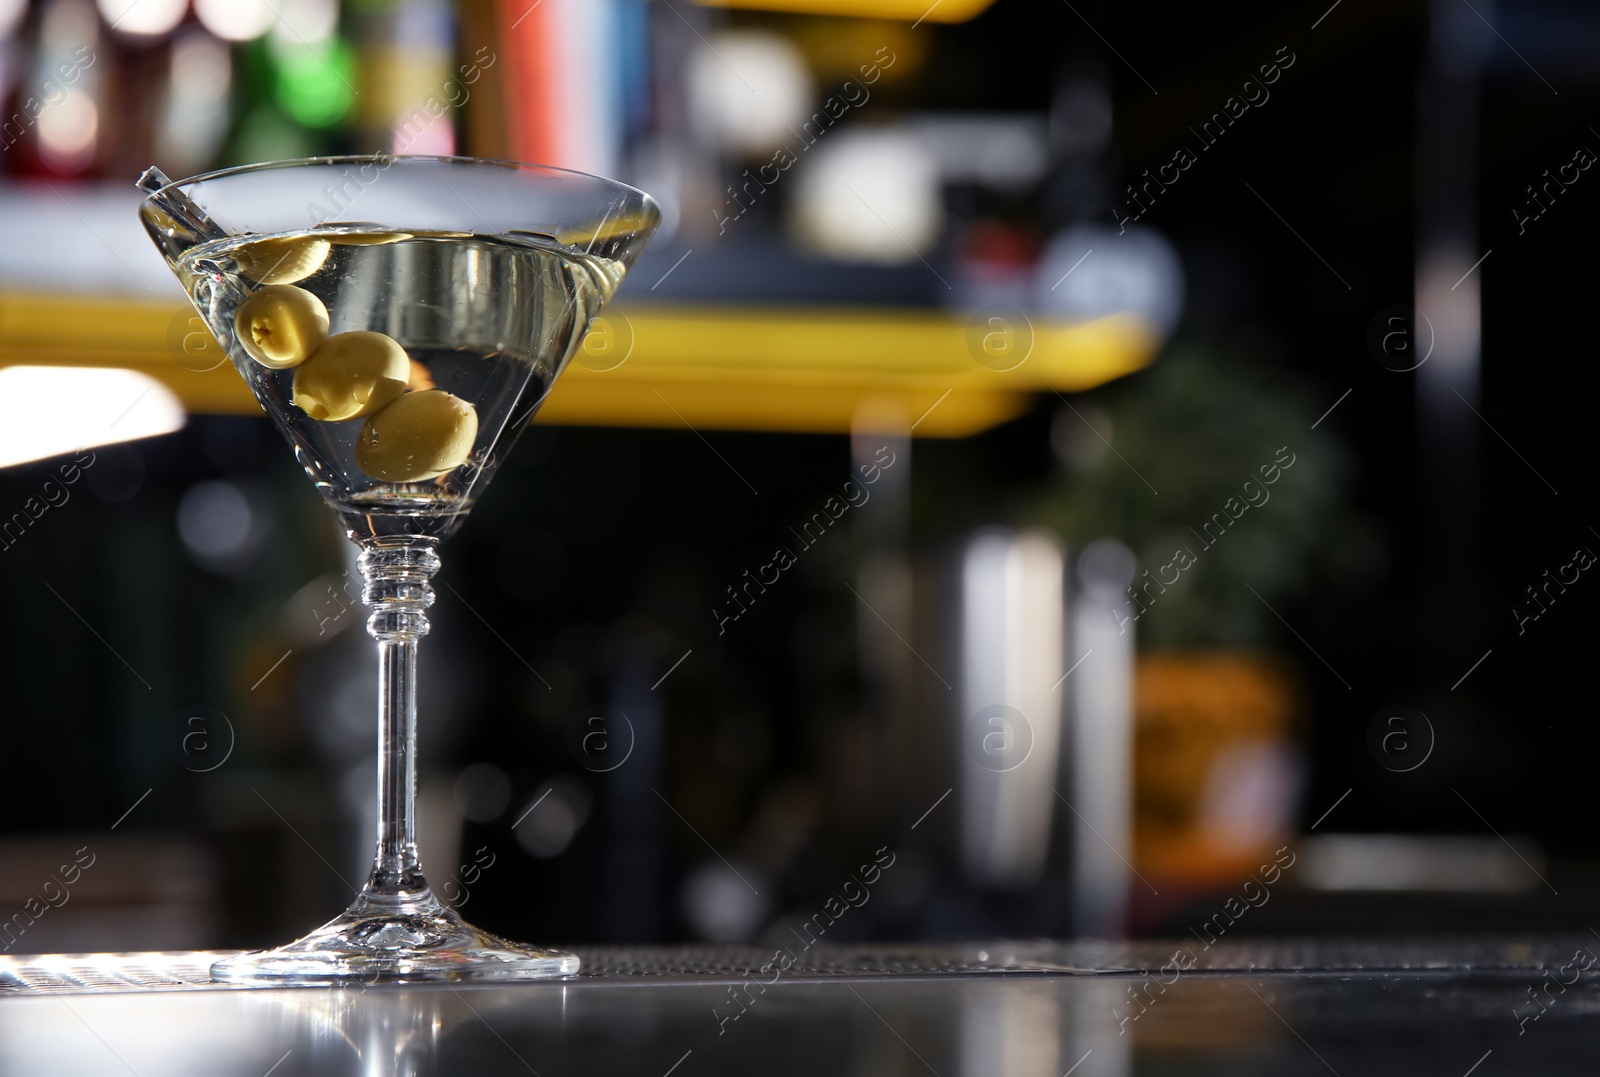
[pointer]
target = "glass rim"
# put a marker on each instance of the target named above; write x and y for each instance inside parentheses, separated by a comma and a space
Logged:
(388, 159)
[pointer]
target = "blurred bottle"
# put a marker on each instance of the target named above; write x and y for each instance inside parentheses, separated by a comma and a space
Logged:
(411, 93)
(193, 113)
(13, 55)
(1012, 643)
(54, 115)
(295, 77)
(567, 78)
(1101, 752)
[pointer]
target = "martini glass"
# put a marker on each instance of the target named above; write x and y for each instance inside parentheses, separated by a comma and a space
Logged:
(399, 319)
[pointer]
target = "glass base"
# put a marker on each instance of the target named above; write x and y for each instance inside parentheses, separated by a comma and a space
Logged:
(395, 940)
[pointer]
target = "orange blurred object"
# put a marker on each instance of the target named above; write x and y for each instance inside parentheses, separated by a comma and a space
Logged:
(1216, 771)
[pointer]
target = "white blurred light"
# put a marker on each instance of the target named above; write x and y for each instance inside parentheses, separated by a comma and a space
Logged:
(216, 523)
(1448, 297)
(147, 18)
(751, 88)
(202, 64)
(11, 12)
(47, 410)
(1012, 644)
(68, 131)
(554, 816)
(1100, 750)
(235, 20)
(720, 903)
(870, 196)
(302, 22)
(1428, 862)
(194, 116)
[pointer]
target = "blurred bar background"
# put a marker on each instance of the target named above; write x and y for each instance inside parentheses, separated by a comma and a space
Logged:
(955, 477)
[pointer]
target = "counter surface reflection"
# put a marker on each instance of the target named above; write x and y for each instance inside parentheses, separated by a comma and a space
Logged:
(1000, 1010)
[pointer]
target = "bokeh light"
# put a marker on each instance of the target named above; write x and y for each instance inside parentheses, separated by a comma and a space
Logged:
(100, 406)
(217, 524)
(316, 85)
(146, 18)
(304, 22)
(69, 131)
(554, 816)
(749, 88)
(235, 20)
(194, 116)
(869, 196)
(11, 13)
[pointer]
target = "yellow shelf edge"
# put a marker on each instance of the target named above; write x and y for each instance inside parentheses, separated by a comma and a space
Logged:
(727, 368)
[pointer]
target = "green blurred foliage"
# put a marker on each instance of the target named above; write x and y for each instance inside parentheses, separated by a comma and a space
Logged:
(1152, 458)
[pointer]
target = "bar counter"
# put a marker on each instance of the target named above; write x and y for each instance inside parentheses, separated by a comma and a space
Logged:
(1353, 1009)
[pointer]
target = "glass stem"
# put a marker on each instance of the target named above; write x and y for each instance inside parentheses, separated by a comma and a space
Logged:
(399, 594)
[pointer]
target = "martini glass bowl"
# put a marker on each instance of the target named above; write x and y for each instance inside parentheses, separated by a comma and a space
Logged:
(400, 320)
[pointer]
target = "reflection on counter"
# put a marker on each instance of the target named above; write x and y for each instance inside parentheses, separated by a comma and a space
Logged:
(652, 1011)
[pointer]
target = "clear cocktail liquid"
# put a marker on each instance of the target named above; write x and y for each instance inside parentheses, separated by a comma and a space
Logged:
(490, 319)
